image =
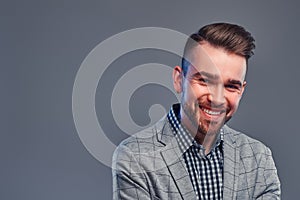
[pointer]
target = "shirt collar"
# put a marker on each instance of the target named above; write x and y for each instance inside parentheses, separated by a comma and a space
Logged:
(184, 138)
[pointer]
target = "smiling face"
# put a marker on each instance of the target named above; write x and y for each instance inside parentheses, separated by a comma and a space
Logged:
(211, 89)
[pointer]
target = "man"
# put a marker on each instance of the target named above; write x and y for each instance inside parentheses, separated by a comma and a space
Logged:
(191, 153)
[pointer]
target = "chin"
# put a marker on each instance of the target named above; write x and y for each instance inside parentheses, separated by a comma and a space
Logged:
(213, 127)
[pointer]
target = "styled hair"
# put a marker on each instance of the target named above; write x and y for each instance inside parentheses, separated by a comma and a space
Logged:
(230, 37)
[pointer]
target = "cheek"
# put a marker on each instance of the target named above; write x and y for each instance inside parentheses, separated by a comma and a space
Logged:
(198, 91)
(191, 91)
(233, 102)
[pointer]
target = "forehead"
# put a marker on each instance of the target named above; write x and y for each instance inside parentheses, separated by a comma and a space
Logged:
(217, 61)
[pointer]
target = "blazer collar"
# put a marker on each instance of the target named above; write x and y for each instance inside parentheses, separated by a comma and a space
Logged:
(231, 163)
(172, 156)
(174, 161)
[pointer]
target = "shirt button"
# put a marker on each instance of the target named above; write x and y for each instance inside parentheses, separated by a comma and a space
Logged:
(202, 153)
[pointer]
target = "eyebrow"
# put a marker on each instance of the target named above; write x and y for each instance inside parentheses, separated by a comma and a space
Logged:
(235, 82)
(215, 76)
(208, 75)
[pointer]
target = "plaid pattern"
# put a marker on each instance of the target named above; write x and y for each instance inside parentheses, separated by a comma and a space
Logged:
(150, 165)
(206, 171)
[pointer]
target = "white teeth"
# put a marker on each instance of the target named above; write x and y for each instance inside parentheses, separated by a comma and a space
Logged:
(211, 112)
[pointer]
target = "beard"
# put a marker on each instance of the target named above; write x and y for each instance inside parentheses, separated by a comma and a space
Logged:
(198, 124)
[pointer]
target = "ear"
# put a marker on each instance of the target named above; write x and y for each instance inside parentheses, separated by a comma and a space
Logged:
(177, 79)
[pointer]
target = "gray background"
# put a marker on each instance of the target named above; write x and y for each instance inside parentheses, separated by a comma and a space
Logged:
(43, 44)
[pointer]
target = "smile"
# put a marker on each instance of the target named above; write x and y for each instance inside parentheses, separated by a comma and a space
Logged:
(210, 112)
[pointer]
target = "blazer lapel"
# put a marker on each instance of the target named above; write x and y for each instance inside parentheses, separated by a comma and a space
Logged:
(172, 156)
(173, 159)
(231, 164)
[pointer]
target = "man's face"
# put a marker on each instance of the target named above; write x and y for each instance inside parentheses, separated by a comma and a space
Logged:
(211, 89)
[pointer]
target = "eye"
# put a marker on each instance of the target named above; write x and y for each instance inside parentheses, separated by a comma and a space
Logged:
(233, 87)
(203, 80)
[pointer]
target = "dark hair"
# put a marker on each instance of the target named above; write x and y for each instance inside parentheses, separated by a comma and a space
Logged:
(231, 37)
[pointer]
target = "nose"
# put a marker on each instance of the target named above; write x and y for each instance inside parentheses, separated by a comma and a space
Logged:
(216, 95)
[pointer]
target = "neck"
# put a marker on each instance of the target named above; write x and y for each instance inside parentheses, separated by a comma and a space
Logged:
(206, 139)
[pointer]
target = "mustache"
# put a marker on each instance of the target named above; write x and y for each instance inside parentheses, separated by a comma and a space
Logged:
(212, 105)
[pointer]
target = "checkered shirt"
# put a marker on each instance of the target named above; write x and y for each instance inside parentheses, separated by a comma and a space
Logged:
(206, 171)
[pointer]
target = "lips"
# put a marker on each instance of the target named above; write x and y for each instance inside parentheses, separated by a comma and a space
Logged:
(212, 112)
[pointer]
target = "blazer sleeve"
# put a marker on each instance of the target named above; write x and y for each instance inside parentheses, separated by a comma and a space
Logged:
(129, 181)
(269, 183)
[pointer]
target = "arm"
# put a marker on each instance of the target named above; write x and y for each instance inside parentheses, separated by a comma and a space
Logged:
(269, 183)
(129, 181)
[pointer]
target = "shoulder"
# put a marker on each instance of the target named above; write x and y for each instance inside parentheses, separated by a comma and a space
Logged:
(139, 149)
(247, 145)
(145, 140)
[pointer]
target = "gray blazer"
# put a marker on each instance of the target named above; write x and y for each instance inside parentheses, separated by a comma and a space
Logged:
(149, 165)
